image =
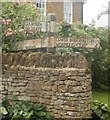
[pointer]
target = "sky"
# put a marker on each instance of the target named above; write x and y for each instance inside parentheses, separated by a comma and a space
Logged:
(92, 8)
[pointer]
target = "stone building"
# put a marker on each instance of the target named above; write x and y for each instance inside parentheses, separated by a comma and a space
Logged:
(66, 10)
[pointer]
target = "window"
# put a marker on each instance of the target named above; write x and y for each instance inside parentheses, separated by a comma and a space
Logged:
(41, 5)
(68, 11)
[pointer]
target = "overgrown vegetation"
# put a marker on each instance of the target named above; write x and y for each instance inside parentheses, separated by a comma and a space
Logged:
(23, 110)
(66, 30)
(100, 111)
(98, 59)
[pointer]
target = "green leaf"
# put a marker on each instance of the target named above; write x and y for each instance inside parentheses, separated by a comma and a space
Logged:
(38, 107)
(98, 112)
(21, 112)
(29, 115)
(17, 117)
(104, 108)
(26, 105)
(14, 98)
(41, 114)
(3, 110)
(48, 115)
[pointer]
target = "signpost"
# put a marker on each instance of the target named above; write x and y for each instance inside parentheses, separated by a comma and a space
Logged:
(51, 41)
(78, 42)
(51, 29)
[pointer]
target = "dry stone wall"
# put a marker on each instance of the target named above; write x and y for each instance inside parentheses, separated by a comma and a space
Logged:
(49, 78)
(48, 60)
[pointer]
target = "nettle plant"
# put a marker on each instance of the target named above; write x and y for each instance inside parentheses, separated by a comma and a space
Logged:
(23, 110)
(14, 17)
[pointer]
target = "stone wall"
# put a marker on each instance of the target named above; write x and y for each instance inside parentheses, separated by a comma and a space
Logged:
(48, 78)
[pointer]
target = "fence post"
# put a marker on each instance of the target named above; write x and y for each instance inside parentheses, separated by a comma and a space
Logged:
(51, 29)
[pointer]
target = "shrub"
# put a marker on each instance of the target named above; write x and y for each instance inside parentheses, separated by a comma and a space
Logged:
(98, 59)
(14, 18)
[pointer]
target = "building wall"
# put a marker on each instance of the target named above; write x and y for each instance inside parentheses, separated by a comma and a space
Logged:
(78, 12)
(46, 78)
(58, 9)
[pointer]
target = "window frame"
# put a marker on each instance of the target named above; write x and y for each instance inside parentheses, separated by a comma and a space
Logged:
(69, 11)
(41, 5)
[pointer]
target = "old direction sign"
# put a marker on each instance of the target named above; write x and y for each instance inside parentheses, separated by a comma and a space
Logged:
(78, 42)
(52, 40)
(57, 42)
(36, 26)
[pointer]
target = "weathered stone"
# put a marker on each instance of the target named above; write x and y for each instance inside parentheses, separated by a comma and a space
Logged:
(62, 88)
(56, 115)
(69, 108)
(23, 98)
(70, 82)
(69, 63)
(70, 103)
(47, 88)
(75, 89)
(54, 98)
(21, 89)
(61, 113)
(58, 81)
(37, 60)
(16, 93)
(48, 82)
(34, 99)
(59, 102)
(70, 113)
(55, 88)
(62, 77)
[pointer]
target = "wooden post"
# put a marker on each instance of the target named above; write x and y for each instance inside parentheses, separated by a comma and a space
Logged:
(43, 29)
(51, 29)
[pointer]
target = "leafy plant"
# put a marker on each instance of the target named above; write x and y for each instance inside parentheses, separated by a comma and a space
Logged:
(66, 30)
(100, 111)
(24, 110)
(4, 108)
